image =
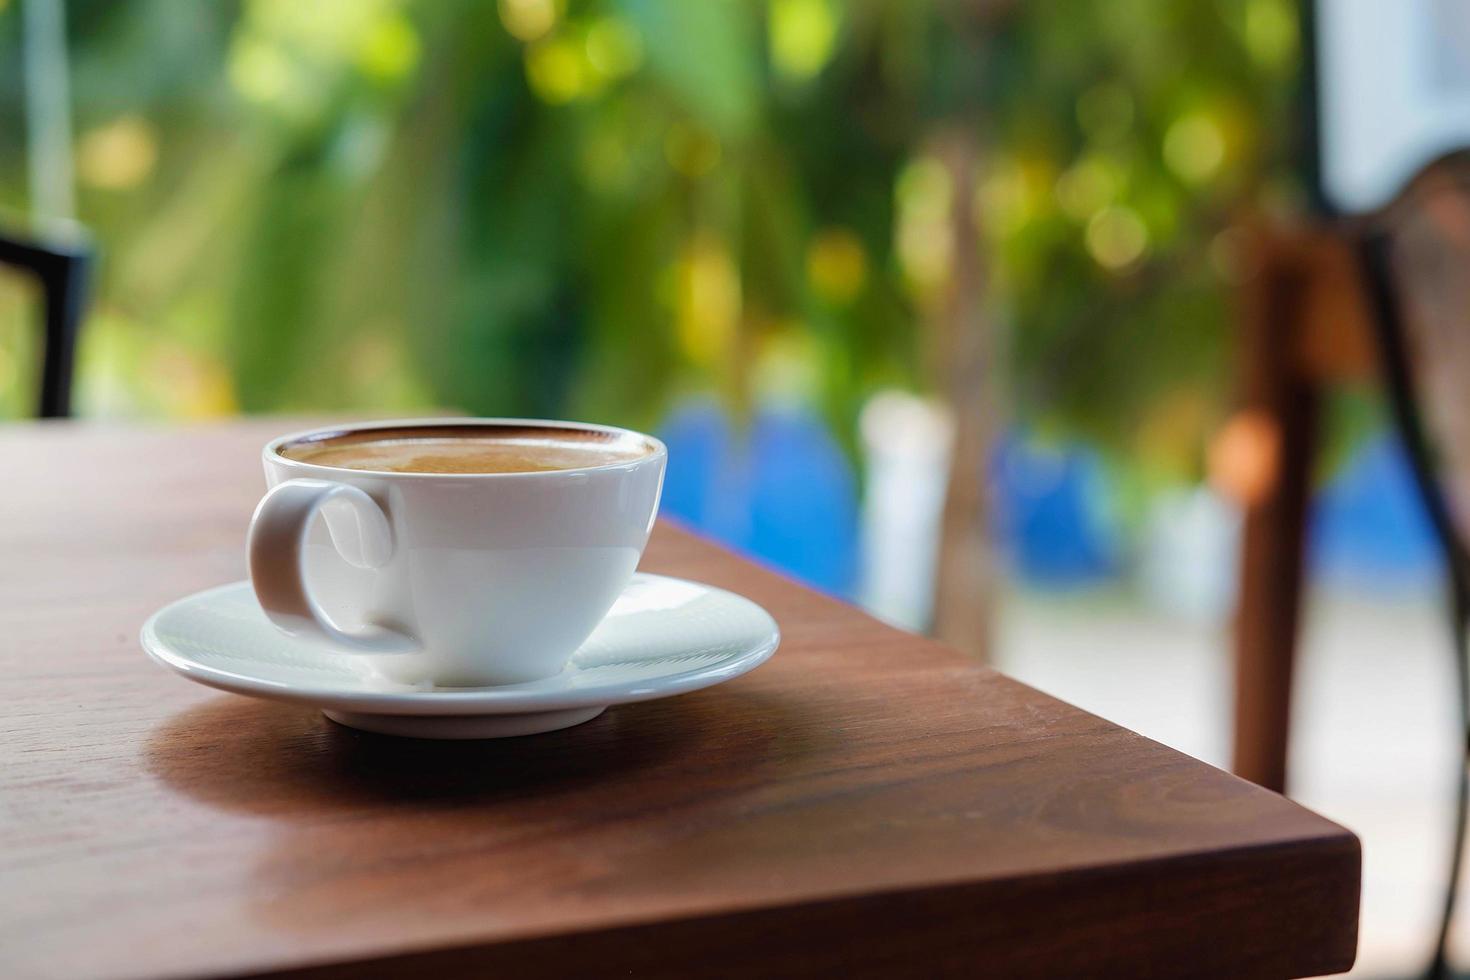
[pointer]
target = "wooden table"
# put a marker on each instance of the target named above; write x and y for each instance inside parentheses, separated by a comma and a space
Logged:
(868, 803)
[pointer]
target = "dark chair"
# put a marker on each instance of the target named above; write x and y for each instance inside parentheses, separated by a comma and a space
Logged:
(62, 263)
(1413, 256)
(1382, 294)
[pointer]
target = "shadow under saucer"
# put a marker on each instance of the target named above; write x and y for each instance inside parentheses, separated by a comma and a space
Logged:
(267, 757)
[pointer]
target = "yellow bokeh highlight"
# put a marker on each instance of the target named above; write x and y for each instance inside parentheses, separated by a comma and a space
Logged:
(924, 186)
(614, 48)
(528, 20)
(558, 72)
(290, 55)
(925, 244)
(119, 155)
(260, 70)
(324, 30)
(1194, 147)
(1116, 237)
(1271, 32)
(707, 301)
(1087, 187)
(1014, 193)
(803, 34)
(390, 49)
(837, 265)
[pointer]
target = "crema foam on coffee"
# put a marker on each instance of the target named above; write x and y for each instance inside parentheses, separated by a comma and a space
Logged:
(469, 449)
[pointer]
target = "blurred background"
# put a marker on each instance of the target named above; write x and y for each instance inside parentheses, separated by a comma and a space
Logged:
(935, 303)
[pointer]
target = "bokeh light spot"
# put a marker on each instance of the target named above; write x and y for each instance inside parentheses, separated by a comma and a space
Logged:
(390, 49)
(1088, 186)
(557, 70)
(925, 242)
(707, 301)
(1245, 456)
(1194, 147)
(1116, 237)
(1015, 192)
(528, 20)
(119, 155)
(802, 35)
(1271, 32)
(260, 71)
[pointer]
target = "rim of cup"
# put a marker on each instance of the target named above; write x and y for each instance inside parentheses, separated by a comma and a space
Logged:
(272, 455)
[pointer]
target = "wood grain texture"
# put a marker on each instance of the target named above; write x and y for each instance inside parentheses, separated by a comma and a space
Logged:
(867, 802)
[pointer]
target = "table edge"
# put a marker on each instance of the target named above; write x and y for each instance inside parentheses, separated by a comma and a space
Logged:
(614, 946)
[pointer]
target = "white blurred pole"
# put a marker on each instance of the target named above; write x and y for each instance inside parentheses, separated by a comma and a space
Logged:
(1189, 556)
(906, 444)
(48, 109)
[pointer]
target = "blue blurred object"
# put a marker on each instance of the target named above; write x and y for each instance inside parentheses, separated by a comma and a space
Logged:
(1050, 514)
(781, 491)
(1368, 529)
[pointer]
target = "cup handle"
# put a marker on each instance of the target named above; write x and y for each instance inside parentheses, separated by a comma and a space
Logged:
(276, 549)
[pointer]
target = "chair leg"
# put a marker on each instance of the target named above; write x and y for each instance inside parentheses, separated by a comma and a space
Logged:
(65, 285)
(1270, 601)
(1272, 560)
(1282, 399)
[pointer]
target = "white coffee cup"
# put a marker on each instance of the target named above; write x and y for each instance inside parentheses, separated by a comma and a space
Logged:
(454, 580)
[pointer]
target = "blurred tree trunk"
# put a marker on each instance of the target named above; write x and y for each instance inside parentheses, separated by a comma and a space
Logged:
(963, 365)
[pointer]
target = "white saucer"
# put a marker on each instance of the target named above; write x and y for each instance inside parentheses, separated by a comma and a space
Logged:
(663, 636)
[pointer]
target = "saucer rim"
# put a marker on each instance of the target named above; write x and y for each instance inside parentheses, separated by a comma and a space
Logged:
(506, 699)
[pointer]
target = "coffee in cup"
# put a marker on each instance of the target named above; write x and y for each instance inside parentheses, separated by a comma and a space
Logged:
(453, 553)
(468, 449)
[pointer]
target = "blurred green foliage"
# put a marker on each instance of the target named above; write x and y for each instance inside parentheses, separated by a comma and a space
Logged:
(589, 209)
